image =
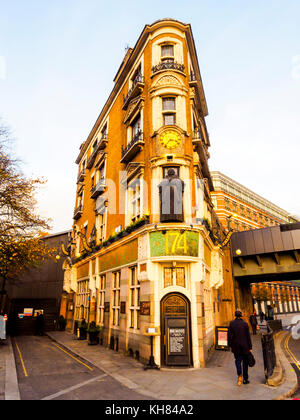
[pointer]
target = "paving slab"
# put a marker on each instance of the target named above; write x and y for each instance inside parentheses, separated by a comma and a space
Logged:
(217, 381)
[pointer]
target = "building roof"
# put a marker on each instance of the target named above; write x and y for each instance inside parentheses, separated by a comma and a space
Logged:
(255, 199)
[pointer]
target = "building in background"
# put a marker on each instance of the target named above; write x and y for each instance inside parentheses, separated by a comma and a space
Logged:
(133, 264)
(39, 288)
(284, 297)
(250, 210)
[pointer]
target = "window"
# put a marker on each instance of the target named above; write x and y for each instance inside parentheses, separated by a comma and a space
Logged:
(134, 199)
(134, 299)
(102, 299)
(169, 119)
(101, 216)
(167, 52)
(136, 126)
(82, 300)
(174, 276)
(227, 204)
(169, 110)
(168, 104)
(167, 168)
(116, 299)
(104, 132)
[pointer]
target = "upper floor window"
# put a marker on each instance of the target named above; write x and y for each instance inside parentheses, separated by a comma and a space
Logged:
(134, 199)
(169, 110)
(167, 52)
(104, 132)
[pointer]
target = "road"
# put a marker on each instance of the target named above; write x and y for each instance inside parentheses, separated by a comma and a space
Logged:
(292, 347)
(46, 371)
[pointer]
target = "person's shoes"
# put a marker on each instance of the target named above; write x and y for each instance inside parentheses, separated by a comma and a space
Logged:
(240, 380)
(246, 382)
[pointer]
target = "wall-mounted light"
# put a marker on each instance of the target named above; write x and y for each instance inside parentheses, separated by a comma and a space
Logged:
(238, 252)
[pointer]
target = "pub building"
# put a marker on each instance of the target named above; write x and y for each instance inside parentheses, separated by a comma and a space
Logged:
(143, 253)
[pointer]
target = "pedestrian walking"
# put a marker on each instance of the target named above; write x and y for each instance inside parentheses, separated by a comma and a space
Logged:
(270, 313)
(261, 316)
(253, 322)
(2, 328)
(40, 324)
(240, 342)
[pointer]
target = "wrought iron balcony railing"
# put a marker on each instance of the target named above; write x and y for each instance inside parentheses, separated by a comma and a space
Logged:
(133, 147)
(192, 78)
(98, 189)
(78, 212)
(81, 176)
(135, 89)
(100, 146)
(168, 65)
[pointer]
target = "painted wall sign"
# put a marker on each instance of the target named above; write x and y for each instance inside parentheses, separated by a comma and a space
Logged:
(123, 255)
(174, 242)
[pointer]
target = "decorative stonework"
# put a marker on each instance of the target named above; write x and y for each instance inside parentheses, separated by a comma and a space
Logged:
(133, 106)
(168, 81)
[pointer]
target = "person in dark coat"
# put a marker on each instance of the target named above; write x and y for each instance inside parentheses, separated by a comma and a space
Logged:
(253, 322)
(240, 342)
(40, 324)
(261, 316)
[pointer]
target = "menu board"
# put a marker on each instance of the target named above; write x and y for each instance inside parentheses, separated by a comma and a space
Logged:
(177, 341)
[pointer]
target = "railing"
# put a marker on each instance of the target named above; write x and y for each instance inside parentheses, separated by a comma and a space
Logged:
(168, 65)
(81, 176)
(197, 135)
(98, 188)
(101, 145)
(139, 79)
(192, 77)
(139, 137)
(78, 212)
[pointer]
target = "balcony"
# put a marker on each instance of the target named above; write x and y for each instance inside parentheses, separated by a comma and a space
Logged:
(81, 176)
(100, 146)
(78, 212)
(133, 148)
(136, 88)
(98, 189)
(192, 79)
(168, 65)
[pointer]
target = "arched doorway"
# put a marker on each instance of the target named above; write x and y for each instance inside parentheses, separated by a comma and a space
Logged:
(176, 331)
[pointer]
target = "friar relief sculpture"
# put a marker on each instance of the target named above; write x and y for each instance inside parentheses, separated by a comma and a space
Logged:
(171, 198)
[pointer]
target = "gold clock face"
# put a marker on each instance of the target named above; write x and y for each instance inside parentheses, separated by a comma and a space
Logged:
(170, 139)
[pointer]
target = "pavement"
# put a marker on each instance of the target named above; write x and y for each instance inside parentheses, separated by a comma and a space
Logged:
(9, 389)
(215, 382)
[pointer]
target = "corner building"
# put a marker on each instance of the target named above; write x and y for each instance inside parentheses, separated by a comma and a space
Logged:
(129, 268)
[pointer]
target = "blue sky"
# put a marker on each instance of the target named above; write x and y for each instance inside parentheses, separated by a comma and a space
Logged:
(58, 60)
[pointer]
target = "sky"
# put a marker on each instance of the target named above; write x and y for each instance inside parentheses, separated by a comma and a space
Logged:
(58, 61)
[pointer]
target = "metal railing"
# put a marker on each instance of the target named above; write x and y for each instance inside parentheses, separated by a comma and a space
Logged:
(139, 136)
(139, 79)
(168, 65)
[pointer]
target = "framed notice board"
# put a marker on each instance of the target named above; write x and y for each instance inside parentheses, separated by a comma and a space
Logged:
(222, 338)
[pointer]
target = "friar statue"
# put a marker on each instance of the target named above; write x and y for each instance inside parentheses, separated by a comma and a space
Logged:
(171, 198)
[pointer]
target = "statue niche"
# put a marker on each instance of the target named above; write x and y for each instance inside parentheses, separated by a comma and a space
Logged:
(171, 198)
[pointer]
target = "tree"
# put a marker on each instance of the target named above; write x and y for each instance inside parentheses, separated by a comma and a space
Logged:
(261, 293)
(21, 243)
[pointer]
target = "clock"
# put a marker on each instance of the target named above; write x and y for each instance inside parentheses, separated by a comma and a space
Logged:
(170, 139)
